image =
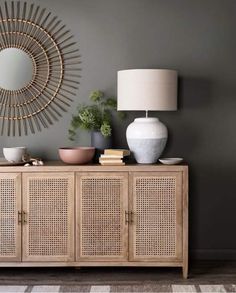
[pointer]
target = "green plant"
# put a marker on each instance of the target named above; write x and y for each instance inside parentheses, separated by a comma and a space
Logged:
(95, 117)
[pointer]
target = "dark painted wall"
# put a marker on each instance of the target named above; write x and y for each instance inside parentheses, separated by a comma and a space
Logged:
(198, 39)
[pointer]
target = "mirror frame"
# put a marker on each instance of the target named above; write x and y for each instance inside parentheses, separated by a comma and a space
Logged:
(56, 65)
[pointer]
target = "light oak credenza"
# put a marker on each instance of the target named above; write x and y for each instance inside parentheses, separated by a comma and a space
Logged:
(91, 215)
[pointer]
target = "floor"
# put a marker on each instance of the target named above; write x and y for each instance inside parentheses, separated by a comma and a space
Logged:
(123, 279)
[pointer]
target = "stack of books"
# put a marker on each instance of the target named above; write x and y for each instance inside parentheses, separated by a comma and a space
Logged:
(113, 157)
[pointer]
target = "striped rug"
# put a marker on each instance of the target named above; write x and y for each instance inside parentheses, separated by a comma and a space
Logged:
(121, 288)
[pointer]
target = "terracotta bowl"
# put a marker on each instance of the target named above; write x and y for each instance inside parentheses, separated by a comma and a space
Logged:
(77, 155)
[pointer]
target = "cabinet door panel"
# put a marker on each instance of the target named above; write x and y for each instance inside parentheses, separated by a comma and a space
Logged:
(10, 205)
(156, 231)
(102, 199)
(48, 227)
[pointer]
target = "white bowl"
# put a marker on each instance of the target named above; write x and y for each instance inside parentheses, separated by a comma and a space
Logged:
(171, 161)
(14, 154)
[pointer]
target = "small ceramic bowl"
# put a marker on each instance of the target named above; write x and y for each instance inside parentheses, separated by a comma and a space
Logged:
(171, 161)
(76, 155)
(14, 154)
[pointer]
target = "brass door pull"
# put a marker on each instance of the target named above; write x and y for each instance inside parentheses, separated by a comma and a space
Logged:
(126, 217)
(19, 217)
(24, 217)
(131, 217)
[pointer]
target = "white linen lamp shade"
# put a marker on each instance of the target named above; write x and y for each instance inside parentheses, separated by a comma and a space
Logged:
(147, 90)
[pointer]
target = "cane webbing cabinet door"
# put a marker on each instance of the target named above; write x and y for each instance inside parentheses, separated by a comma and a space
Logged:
(48, 217)
(156, 230)
(10, 217)
(102, 205)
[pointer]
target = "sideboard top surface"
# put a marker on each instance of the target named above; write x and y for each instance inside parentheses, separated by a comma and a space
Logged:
(57, 166)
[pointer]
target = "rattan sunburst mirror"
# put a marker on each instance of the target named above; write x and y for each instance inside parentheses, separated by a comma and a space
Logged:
(39, 68)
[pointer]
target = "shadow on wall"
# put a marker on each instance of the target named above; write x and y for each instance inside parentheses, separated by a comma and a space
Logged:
(195, 97)
(212, 197)
(194, 93)
(212, 184)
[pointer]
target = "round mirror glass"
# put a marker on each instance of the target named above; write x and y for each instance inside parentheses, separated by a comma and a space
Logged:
(16, 69)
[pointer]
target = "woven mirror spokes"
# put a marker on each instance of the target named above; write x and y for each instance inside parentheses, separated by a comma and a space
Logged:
(39, 66)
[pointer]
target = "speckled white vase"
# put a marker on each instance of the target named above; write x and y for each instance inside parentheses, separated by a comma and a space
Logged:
(146, 138)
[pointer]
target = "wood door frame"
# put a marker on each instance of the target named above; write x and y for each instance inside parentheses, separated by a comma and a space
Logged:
(179, 217)
(124, 202)
(25, 207)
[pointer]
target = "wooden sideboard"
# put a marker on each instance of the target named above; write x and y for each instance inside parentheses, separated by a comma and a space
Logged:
(92, 215)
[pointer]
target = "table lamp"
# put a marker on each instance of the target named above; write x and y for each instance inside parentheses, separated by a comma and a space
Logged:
(147, 90)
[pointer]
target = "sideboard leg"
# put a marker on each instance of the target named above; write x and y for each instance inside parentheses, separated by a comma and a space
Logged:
(185, 224)
(185, 271)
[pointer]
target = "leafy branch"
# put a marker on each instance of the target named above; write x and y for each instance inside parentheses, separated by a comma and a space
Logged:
(95, 117)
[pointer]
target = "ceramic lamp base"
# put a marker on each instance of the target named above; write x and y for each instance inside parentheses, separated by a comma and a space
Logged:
(147, 139)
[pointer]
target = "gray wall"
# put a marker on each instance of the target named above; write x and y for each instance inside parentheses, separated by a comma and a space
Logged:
(198, 39)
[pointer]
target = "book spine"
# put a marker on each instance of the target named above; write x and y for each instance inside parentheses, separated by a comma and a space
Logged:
(112, 164)
(110, 161)
(117, 152)
(109, 157)
(113, 153)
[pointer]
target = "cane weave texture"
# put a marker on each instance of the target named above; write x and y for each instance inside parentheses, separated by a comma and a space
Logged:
(155, 216)
(101, 216)
(8, 217)
(48, 216)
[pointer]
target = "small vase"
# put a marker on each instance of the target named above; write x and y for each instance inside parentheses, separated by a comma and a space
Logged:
(100, 143)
